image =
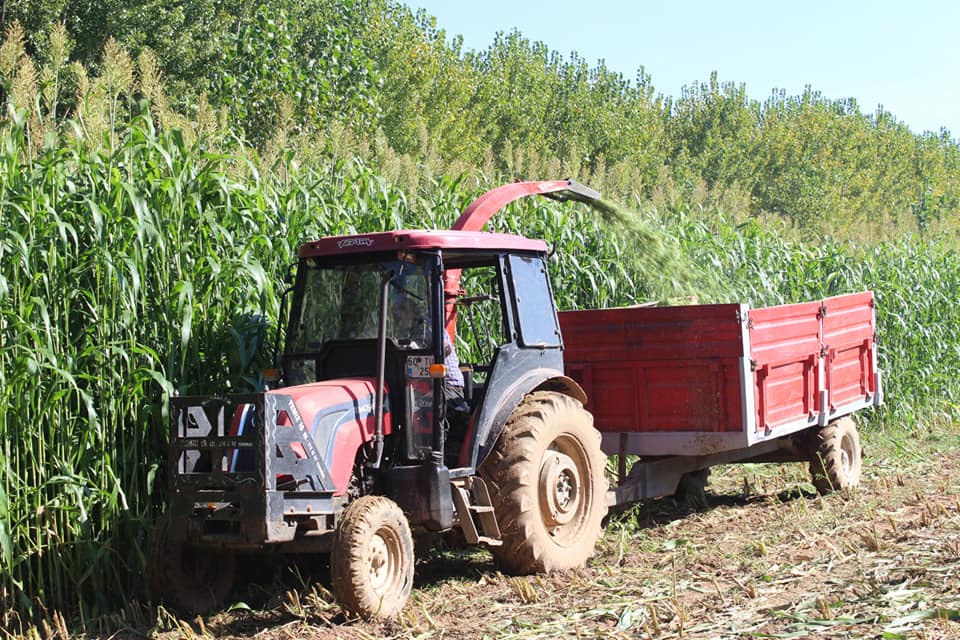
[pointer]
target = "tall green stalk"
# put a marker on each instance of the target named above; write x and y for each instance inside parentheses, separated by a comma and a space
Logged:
(133, 270)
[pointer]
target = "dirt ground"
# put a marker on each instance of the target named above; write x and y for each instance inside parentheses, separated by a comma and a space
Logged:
(765, 557)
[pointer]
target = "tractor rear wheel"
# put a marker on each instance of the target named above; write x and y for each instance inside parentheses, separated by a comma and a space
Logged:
(836, 457)
(371, 565)
(547, 485)
(191, 580)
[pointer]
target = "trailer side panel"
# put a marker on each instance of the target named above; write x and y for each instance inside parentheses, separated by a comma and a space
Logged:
(849, 354)
(662, 369)
(785, 355)
(699, 379)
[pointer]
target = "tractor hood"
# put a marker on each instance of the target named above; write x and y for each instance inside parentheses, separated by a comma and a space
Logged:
(340, 417)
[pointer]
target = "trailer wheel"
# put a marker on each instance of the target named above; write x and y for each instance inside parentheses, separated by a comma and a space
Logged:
(371, 565)
(547, 485)
(836, 458)
(692, 488)
(192, 580)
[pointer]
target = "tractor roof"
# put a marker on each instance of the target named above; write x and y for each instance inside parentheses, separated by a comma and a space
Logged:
(414, 240)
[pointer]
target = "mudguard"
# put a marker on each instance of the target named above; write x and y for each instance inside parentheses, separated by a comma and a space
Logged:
(516, 373)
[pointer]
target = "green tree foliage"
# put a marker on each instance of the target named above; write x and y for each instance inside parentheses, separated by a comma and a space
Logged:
(427, 86)
(305, 52)
(187, 34)
(516, 108)
(713, 129)
(245, 58)
(35, 16)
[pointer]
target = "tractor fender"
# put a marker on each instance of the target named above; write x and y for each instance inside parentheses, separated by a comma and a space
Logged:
(490, 422)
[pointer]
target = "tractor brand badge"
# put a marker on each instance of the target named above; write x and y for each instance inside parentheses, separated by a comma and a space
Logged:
(354, 242)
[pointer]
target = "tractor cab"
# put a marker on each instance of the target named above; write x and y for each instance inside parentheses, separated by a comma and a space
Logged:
(384, 307)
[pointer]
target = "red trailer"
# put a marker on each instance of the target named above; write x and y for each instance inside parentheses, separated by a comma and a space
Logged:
(689, 387)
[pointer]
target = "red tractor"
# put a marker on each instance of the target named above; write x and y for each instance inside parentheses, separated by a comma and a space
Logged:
(365, 442)
(376, 433)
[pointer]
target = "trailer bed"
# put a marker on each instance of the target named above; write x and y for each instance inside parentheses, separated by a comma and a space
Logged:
(702, 379)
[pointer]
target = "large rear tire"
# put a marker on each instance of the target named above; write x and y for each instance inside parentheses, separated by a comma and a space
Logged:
(191, 580)
(836, 458)
(371, 565)
(547, 485)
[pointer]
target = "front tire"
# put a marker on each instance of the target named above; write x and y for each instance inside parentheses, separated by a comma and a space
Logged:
(547, 485)
(191, 580)
(372, 561)
(837, 457)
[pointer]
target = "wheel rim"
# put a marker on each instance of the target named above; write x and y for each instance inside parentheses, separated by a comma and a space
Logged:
(564, 489)
(848, 457)
(384, 561)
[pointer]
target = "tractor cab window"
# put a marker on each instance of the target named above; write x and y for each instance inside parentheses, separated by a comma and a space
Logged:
(480, 323)
(337, 303)
(408, 308)
(533, 302)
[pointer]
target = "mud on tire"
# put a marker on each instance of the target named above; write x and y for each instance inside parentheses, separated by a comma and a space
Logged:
(191, 580)
(547, 485)
(371, 564)
(836, 457)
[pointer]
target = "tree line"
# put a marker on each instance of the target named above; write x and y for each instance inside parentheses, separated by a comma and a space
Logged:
(412, 96)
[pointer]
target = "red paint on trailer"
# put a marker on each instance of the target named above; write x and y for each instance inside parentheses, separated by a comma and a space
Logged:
(669, 370)
(849, 324)
(785, 350)
(654, 369)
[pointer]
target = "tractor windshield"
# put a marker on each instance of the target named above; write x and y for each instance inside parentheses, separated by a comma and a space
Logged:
(342, 302)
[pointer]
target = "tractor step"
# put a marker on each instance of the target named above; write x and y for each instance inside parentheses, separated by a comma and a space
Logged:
(474, 508)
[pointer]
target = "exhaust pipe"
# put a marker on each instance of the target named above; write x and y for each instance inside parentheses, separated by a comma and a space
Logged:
(381, 375)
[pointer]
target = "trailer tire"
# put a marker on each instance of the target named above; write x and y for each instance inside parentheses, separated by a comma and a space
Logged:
(371, 564)
(190, 580)
(547, 484)
(836, 458)
(692, 489)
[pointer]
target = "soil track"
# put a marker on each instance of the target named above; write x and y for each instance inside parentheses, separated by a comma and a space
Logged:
(765, 557)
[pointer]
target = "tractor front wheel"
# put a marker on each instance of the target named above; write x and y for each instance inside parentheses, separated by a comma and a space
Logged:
(547, 485)
(372, 560)
(191, 580)
(836, 457)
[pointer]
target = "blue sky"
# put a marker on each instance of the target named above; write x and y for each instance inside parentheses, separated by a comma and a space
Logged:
(904, 55)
